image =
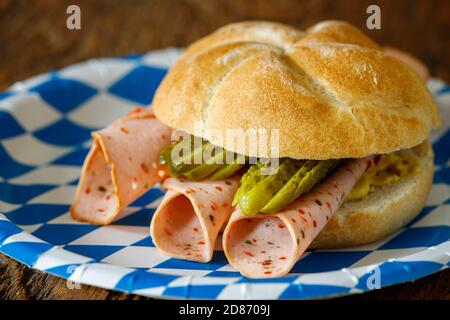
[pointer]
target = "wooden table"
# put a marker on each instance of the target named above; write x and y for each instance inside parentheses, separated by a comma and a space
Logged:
(34, 39)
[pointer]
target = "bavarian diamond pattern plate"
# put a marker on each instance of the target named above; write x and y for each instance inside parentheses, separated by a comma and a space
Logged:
(45, 125)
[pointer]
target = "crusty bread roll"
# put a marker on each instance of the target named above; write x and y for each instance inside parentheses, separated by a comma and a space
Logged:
(382, 212)
(330, 91)
(413, 62)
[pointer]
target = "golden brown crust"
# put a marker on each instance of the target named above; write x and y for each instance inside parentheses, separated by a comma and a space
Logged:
(382, 212)
(330, 91)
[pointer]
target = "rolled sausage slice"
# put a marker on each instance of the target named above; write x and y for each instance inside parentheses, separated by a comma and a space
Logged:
(121, 165)
(190, 217)
(268, 245)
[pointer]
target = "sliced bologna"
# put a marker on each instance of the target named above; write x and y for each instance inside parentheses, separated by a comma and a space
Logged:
(268, 245)
(190, 217)
(121, 165)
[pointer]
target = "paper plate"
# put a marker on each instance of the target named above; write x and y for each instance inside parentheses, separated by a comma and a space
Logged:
(45, 125)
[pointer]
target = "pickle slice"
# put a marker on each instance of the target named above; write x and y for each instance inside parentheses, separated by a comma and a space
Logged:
(186, 162)
(203, 170)
(316, 175)
(214, 168)
(309, 175)
(226, 171)
(164, 155)
(260, 194)
(288, 192)
(248, 180)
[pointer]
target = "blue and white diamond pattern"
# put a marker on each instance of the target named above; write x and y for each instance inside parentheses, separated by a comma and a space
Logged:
(45, 125)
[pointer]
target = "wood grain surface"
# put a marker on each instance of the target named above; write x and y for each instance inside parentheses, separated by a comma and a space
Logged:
(34, 39)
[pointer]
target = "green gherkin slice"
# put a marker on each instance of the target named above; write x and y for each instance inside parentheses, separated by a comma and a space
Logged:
(226, 171)
(289, 191)
(201, 171)
(316, 175)
(164, 155)
(259, 195)
(186, 162)
(248, 180)
(309, 175)
(214, 167)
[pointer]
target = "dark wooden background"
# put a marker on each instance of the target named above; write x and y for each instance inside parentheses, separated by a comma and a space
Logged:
(34, 39)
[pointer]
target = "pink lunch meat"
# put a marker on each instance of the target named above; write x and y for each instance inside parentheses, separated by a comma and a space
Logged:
(190, 217)
(121, 166)
(268, 245)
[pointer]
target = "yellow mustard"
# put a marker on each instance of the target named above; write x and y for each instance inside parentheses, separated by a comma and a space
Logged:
(389, 170)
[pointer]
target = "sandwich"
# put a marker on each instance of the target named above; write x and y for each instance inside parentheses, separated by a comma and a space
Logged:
(283, 140)
(352, 122)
